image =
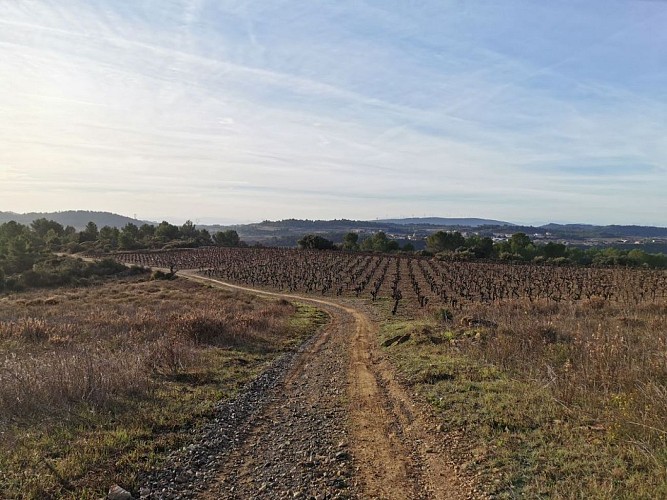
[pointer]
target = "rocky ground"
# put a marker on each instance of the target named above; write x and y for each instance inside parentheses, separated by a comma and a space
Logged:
(283, 437)
(329, 421)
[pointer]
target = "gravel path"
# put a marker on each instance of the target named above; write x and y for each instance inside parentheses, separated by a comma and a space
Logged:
(329, 421)
(285, 436)
(297, 447)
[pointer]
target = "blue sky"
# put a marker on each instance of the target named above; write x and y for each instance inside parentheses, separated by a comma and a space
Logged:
(248, 110)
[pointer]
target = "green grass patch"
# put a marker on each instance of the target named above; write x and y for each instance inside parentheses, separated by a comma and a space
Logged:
(510, 433)
(305, 321)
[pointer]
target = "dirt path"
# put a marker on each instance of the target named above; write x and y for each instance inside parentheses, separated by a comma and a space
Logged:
(339, 425)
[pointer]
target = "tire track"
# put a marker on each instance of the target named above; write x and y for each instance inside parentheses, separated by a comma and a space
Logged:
(395, 449)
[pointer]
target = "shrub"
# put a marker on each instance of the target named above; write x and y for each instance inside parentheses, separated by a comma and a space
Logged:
(161, 275)
(444, 314)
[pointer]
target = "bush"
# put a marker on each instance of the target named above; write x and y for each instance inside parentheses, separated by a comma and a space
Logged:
(181, 244)
(315, 242)
(444, 314)
(57, 271)
(13, 283)
(510, 256)
(161, 275)
(31, 279)
(464, 255)
(105, 267)
(136, 271)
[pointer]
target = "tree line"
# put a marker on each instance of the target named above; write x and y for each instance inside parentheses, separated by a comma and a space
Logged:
(452, 245)
(147, 236)
(519, 247)
(28, 252)
(378, 242)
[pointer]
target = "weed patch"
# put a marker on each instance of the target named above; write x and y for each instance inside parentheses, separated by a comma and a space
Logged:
(545, 400)
(98, 384)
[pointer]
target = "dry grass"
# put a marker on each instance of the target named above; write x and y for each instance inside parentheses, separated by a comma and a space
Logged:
(93, 381)
(607, 360)
(554, 399)
(93, 345)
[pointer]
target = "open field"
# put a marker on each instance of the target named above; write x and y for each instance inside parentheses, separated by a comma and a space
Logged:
(530, 381)
(549, 382)
(97, 384)
(545, 400)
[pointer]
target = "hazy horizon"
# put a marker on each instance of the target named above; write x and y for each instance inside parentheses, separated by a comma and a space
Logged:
(519, 111)
(213, 221)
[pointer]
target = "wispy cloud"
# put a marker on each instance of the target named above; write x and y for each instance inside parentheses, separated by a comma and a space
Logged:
(264, 110)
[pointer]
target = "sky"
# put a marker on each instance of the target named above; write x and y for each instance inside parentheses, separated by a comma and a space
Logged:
(241, 111)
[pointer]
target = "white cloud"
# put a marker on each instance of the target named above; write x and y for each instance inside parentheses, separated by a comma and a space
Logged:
(253, 110)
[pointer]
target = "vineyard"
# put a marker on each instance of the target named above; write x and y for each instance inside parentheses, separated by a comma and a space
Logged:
(555, 375)
(408, 281)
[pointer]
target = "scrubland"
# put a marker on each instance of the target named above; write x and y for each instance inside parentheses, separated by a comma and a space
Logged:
(99, 383)
(545, 399)
(550, 381)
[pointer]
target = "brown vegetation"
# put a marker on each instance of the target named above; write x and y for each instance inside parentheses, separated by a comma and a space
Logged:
(555, 399)
(88, 376)
(608, 359)
(554, 378)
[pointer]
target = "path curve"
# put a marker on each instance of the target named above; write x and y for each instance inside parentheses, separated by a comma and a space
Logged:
(393, 440)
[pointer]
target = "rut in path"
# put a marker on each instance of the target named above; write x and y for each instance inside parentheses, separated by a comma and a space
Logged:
(338, 424)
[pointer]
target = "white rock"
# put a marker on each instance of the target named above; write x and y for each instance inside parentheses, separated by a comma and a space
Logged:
(118, 493)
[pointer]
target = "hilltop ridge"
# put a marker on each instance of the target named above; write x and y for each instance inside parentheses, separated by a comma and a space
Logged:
(76, 218)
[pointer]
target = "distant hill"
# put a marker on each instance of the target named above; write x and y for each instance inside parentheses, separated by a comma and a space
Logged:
(613, 231)
(287, 232)
(445, 221)
(75, 218)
